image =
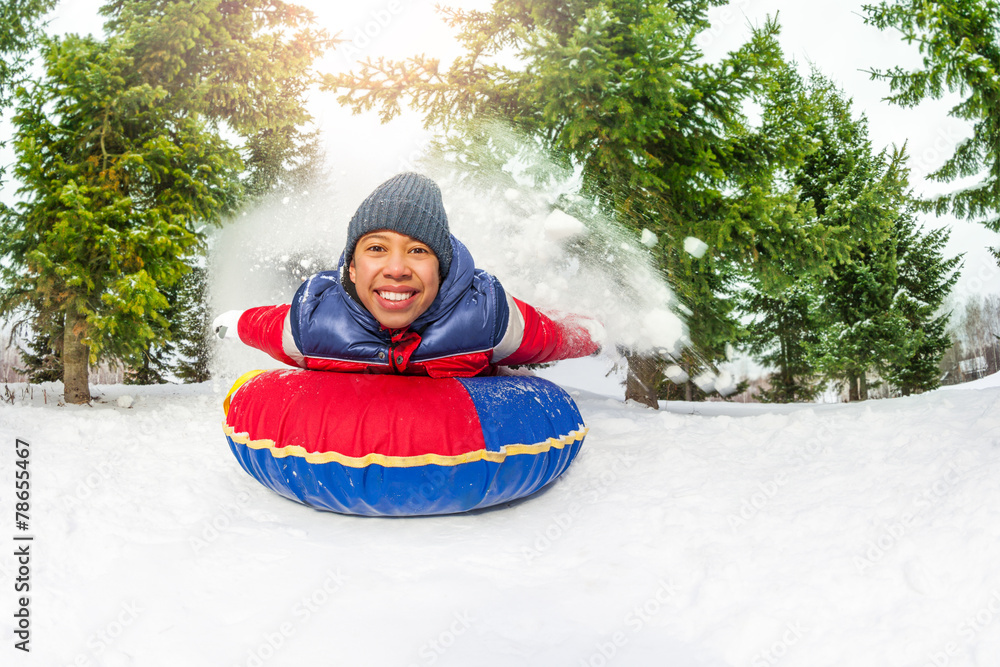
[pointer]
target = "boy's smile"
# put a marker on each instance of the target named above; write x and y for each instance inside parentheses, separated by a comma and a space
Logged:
(396, 277)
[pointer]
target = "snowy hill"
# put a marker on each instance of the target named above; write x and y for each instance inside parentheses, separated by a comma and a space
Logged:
(714, 535)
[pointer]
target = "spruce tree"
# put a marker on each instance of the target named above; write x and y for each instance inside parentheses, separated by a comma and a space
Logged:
(783, 319)
(884, 313)
(872, 313)
(20, 27)
(779, 335)
(111, 203)
(925, 278)
(879, 310)
(192, 322)
(959, 41)
(125, 154)
(860, 332)
(42, 358)
(245, 65)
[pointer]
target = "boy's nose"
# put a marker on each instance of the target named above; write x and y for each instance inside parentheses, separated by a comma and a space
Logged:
(395, 265)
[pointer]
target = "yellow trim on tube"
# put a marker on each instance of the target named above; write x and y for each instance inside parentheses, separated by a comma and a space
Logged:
(403, 461)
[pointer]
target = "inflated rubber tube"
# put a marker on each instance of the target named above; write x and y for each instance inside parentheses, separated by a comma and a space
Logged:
(391, 445)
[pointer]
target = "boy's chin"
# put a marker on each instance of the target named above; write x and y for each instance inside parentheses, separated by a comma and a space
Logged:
(395, 324)
(395, 315)
(395, 320)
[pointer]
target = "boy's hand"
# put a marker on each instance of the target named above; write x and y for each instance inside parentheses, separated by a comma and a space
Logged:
(596, 330)
(225, 325)
(598, 334)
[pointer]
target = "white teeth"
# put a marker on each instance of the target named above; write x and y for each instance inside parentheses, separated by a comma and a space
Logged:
(395, 296)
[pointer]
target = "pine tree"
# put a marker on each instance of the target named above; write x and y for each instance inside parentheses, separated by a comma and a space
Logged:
(124, 155)
(619, 89)
(281, 160)
(924, 281)
(192, 323)
(880, 320)
(873, 312)
(244, 64)
(110, 202)
(42, 358)
(861, 332)
(885, 313)
(19, 29)
(959, 41)
(828, 181)
(779, 337)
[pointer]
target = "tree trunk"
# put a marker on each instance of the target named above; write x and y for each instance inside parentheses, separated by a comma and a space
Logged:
(689, 368)
(76, 360)
(863, 388)
(641, 383)
(852, 388)
(785, 395)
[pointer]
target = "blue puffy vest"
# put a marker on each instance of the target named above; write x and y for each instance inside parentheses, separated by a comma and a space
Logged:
(469, 315)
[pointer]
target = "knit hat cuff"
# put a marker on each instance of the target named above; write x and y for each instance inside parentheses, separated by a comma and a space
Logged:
(408, 204)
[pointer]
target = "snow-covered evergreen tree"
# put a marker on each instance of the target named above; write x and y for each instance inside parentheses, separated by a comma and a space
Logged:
(959, 41)
(124, 158)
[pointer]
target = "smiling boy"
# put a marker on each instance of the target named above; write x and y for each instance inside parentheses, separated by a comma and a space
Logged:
(407, 298)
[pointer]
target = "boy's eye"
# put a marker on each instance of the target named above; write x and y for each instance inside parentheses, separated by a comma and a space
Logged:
(418, 249)
(375, 248)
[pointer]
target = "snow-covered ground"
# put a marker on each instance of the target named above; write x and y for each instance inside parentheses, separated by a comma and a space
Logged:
(702, 534)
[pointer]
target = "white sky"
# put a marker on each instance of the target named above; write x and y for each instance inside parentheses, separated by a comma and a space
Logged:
(828, 33)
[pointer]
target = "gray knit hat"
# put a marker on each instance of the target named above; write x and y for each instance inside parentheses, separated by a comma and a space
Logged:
(409, 204)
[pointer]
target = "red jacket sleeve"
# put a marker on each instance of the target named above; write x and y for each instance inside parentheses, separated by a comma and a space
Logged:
(263, 328)
(546, 339)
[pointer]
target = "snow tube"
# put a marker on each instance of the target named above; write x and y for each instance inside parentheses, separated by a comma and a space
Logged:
(395, 445)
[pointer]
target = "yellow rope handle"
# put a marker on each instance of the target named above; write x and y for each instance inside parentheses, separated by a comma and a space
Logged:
(240, 381)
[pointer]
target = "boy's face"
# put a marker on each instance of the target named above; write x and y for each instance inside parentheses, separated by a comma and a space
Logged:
(396, 277)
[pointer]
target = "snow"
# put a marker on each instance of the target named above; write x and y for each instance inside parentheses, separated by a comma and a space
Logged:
(695, 247)
(699, 535)
(676, 374)
(560, 226)
(988, 382)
